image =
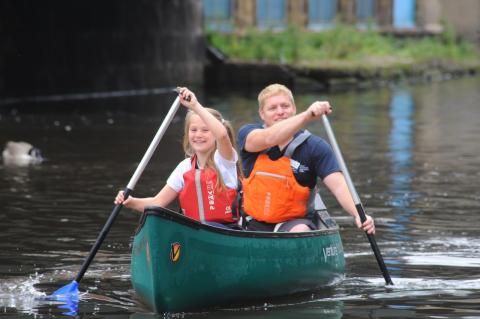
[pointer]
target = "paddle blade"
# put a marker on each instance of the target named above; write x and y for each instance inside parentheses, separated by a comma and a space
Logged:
(70, 306)
(68, 296)
(68, 291)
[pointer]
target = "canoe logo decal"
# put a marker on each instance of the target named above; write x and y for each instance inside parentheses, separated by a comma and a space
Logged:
(175, 250)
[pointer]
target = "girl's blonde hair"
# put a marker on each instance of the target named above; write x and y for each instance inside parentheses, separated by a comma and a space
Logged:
(271, 90)
(189, 151)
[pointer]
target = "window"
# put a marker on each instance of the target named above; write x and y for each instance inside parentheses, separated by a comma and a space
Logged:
(321, 14)
(365, 12)
(218, 15)
(271, 14)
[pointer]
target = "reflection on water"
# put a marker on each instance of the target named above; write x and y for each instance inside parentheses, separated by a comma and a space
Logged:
(412, 152)
(401, 145)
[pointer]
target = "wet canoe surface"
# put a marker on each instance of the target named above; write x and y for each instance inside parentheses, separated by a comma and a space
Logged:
(179, 264)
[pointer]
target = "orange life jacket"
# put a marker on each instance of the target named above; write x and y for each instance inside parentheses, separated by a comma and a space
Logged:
(271, 193)
(202, 200)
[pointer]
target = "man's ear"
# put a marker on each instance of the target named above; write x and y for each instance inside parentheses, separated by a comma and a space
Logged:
(260, 113)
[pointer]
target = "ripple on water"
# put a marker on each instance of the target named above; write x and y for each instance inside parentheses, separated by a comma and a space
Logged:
(436, 259)
(447, 252)
(412, 287)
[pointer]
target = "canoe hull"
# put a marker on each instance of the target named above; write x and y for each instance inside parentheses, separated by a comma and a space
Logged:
(179, 264)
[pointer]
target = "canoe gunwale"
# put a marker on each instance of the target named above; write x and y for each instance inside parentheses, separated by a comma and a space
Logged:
(168, 214)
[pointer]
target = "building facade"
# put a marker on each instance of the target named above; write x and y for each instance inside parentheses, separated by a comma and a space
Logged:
(394, 16)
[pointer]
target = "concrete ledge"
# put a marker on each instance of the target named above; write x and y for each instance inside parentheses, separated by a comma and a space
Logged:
(254, 76)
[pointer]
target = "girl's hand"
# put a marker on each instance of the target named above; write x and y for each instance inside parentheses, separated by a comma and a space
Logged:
(187, 98)
(120, 199)
(368, 225)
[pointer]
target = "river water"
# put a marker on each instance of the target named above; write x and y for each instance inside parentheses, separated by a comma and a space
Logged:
(412, 151)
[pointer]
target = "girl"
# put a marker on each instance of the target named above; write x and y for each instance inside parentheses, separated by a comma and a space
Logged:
(206, 181)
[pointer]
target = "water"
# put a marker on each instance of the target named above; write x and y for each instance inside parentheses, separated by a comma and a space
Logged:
(412, 153)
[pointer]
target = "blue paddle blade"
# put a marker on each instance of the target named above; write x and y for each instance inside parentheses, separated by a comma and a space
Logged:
(68, 296)
(70, 307)
(67, 291)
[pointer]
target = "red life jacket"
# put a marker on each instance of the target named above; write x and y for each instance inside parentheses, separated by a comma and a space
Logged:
(202, 200)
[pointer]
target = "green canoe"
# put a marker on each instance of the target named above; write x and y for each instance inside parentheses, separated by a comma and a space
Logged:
(179, 264)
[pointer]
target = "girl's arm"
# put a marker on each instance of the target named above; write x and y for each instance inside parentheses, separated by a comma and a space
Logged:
(162, 199)
(224, 145)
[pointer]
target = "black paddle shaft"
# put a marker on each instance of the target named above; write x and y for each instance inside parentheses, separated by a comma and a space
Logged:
(356, 199)
(130, 186)
(374, 246)
(101, 236)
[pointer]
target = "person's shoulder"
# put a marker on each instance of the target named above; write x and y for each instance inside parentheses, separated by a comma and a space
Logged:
(184, 165)
(316, 143)
(218, 158)
(315, 139)
(250, 126)
(245, 130)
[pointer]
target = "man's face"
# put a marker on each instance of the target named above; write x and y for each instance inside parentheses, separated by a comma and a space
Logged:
(276, 108)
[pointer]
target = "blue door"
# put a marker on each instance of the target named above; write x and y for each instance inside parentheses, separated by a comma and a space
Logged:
(404, 13)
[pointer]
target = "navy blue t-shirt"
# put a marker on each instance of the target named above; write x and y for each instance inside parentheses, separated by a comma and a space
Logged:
(315, 156)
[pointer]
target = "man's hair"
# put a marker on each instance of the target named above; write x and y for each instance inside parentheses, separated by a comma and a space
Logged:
(271, 90)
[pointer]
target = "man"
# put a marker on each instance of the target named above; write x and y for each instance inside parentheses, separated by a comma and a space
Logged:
(282, 162)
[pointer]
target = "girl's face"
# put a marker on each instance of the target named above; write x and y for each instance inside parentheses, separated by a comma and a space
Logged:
(200, 137)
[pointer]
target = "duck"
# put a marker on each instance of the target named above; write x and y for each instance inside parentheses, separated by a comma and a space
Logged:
(21, 154)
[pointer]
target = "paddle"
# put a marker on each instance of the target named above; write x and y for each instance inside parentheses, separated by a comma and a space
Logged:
(356, 199)
(71, 289)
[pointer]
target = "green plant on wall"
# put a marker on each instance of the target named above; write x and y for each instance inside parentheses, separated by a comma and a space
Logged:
(342, 44)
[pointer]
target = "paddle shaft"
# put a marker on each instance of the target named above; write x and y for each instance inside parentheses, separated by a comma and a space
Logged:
(130, 186)
(356, 199)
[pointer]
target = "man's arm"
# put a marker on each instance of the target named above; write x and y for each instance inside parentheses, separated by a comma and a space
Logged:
(281, 132)
(338, 186)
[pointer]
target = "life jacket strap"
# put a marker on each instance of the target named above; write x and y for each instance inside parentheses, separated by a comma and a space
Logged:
(296, 142)
(237, 211)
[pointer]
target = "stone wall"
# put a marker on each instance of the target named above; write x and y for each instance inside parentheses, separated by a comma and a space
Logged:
(58, 47)
(464, 16)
